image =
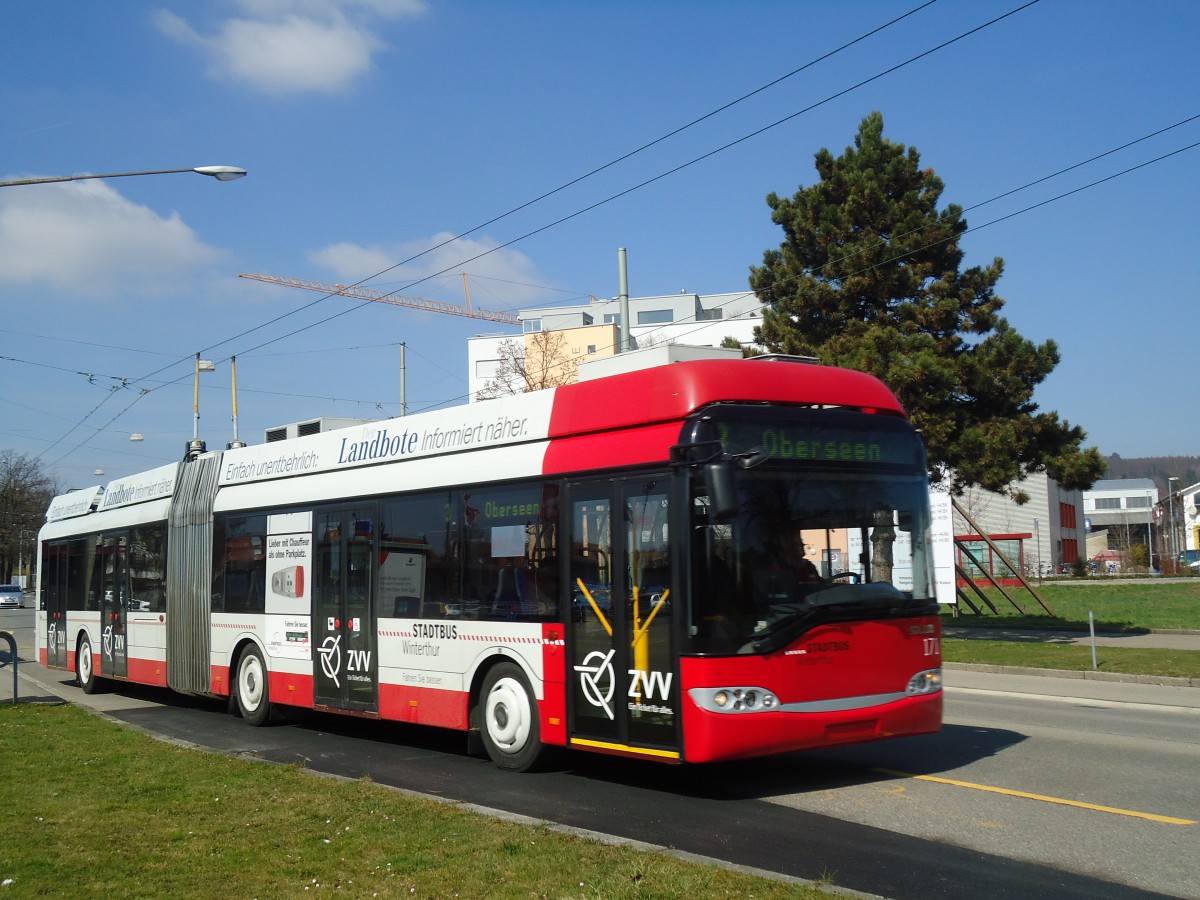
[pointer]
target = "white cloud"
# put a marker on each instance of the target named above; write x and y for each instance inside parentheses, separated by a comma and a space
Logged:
(351, 262)
(292, 46)
(501, 279)
(86, 239)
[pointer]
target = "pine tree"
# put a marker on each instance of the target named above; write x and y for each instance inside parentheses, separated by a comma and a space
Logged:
(869, 276)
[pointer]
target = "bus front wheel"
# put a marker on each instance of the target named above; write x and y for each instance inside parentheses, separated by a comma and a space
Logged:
(253, 691)
(510, 719)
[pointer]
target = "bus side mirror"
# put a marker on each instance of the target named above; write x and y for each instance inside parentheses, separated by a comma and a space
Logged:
(722, 494)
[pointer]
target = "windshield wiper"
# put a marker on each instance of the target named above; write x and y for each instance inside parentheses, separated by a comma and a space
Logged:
(846, 604)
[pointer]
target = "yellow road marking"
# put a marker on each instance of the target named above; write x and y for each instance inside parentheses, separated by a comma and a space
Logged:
(1169, 820)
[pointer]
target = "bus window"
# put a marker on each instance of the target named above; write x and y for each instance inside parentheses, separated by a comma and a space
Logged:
(81, 555)
(510, 552)
(147, 568)
(245, 563)
(417, 577)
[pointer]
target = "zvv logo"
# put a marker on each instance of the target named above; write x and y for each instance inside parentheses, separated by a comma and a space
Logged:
(651, 681)
(331, 657)
(597, 680)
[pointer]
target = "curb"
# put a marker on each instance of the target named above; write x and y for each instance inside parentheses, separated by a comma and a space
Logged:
(1077, 674)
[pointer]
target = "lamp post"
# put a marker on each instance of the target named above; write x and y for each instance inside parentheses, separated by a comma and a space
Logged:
(1171, 519)
(1037, 538)
(221, 173)
(1149, 533)
(24, 532)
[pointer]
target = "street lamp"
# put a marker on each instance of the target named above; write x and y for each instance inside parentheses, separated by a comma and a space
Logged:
(1037, 537)
(1149, 534)
(221, 173)
(1171, 520)
(21, 555)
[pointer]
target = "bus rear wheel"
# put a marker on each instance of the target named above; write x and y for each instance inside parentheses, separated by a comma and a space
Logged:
(253, 691)
(510, 719)
(85, 669)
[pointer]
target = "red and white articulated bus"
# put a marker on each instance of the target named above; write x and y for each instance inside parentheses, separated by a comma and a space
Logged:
(703, 561)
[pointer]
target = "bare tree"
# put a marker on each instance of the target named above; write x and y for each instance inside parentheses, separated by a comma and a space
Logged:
(25, 492)
(541, 361)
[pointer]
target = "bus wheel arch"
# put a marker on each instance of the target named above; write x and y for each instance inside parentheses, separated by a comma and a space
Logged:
(249, 684)
(505, 710)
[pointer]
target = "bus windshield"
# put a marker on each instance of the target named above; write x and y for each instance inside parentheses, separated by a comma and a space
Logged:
(809, 544)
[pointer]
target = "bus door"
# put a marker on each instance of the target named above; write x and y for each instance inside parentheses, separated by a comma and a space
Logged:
(112, 573)
(345, 665)
(54, 603)
(624, 694)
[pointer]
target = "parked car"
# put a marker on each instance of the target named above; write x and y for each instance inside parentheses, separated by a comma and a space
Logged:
(12, 596)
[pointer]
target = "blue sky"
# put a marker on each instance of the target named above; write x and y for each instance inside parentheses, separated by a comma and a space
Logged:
(375, 129)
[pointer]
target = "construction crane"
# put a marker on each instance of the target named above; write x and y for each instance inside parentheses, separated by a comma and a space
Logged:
(361, 293)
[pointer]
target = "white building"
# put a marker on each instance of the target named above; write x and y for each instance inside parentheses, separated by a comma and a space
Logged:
(1042, 535)
(591, 330)
(1185, 505)
(1127, 509)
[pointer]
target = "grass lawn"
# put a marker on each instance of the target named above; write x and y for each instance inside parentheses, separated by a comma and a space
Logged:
(91, 809)
(1126, 660)
(1117, 606)
(1121, 607)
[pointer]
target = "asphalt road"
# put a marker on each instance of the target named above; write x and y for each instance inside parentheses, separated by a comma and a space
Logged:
(1094, 773)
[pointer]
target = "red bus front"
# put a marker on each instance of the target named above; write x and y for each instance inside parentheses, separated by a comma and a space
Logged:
(838, 684)
(812, 617)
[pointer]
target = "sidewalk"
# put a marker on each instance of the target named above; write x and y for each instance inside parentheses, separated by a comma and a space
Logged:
(1075, 686)
(1167, 640)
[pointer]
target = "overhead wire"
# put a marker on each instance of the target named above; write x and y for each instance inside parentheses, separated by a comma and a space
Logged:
(609, 199)
(121, 381)
(972, 230)
(608, 165)
(525, 205)
(630, 190)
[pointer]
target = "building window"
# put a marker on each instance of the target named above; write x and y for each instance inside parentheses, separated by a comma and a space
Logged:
(1108, 503)
(612, 318)
(654, 317)
(591, 348)
(1137, 502)
(1066, 515)
(531, 325)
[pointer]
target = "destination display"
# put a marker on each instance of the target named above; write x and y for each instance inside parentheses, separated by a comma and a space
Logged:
(824, 437)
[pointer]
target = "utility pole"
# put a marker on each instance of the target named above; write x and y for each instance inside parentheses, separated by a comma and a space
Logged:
(403, 393)
(1171, 520)
(625, 340)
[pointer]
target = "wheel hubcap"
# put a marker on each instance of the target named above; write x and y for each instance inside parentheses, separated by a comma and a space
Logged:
(508, 715)
(250, 692)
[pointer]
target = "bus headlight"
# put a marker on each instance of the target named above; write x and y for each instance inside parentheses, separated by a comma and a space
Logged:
(734, 699)
(927, 682)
